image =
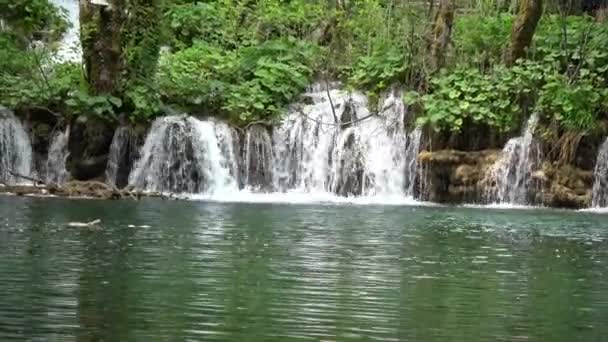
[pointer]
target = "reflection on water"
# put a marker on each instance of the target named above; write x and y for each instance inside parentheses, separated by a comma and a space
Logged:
(264, 272)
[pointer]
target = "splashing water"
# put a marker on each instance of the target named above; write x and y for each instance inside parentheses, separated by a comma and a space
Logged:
(15, 149)
(55, 162)
(600, 178)
(319, 150)
(511, 172)
(313, 153)
(183, 155)
(69, 48)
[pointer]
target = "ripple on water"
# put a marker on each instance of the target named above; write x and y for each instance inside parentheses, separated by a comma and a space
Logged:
(163, 270)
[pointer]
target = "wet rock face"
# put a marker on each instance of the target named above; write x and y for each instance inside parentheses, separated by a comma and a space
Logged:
(40, 135)
(88, 146)
(257, 158)
(565, 186)
(460, 177)
(456, 176)
(123, 153)
(350, 176)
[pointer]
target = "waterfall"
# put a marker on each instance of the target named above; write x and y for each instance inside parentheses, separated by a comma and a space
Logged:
(185, 155)
(15, 148)
(55, 162)
(257, 158)
(600, 178)
(511, 172)
(370, 157)
(69, 48)
(123, 152)
(326, 145)
(411, 158)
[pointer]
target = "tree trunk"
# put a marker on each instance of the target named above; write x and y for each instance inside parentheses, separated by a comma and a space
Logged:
(523, 30)
(120, 42)
(100, 27)
(442, 33)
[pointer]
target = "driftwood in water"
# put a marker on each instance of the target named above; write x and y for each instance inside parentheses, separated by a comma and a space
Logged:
(82, 189)
(94, 223)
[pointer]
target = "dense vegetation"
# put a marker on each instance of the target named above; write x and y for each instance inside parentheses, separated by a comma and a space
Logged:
(246, 60)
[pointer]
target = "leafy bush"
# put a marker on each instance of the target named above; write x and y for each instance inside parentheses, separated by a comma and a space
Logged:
(575, 104)
(33, 19)
(378, 71)
(500, 97)
(481, 39)
(249, 84)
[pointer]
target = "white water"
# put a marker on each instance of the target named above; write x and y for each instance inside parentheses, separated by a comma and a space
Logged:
(600, 178)
(370, 158)
(511, 172)
(185, 155)
(55, 162)
(15, 149)
(69, 48)
(119, 152)
(306, 158)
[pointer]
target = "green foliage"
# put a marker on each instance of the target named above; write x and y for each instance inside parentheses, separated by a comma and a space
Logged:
(481, 39)
(469, 96)
(577, 41)
(33, 19)
(251, 83)
(141, 39)
(379, 70)
(575, 104)
(58, 89)
(233, 24)
(500, 98)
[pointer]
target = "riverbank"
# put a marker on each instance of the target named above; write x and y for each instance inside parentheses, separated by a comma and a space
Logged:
(79, 190)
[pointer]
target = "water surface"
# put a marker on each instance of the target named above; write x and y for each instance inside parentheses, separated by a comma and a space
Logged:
(278, 272)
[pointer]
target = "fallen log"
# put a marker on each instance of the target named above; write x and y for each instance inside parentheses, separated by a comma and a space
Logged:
(78, 189)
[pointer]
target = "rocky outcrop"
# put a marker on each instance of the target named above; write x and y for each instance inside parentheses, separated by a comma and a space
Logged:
(454, 176)
(123, 153)
(89, 143)
(461, 177)
(564, 187)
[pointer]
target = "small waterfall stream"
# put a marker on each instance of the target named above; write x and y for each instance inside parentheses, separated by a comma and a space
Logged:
(512, 171)
(58, 153)
(600, 178)
(69, 48)
(15, 149)
(365, 158)
(183, 155)
(308, 153)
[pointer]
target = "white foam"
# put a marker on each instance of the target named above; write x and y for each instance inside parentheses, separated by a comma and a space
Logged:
(595, 210)
(299, 197)
(501, 206)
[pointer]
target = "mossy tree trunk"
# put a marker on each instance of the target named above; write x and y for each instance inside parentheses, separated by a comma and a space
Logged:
(120, 42)
(100, 27)
(442, 33)
(523, 29)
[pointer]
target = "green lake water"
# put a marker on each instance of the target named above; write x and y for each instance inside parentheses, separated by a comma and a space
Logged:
(193, 271)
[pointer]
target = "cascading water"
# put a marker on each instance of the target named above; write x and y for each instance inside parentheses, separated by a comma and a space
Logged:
(600, 178)
(327, 145)
(123, 152)
(185, 155)
(15, 149)
(69, 48)
(257, 159)
(55, 162)
(511, 172)
(369, 157)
